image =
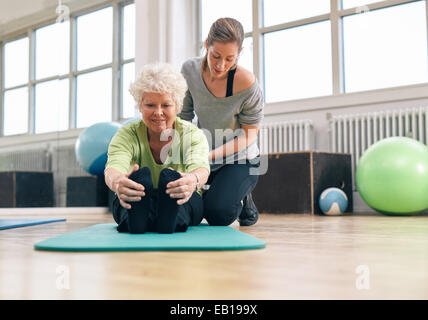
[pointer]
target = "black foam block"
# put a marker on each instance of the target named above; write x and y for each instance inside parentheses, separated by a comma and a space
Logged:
(90, 191)
(25, 189)
(294, 181)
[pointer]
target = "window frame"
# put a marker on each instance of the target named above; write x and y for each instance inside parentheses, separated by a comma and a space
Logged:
(122, 62)
(335, 17)
(19, 36)
(116, 65)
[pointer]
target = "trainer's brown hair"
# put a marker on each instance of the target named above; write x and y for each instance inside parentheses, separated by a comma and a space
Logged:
(224, 30)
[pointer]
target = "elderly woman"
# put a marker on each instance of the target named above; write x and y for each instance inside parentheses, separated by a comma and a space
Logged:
(157, 165)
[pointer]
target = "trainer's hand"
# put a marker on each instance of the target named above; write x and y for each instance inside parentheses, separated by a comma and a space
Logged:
(182, 188)
(128, 190)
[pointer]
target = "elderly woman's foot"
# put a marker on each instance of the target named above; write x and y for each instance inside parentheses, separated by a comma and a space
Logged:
(167, 208)
(138, 215)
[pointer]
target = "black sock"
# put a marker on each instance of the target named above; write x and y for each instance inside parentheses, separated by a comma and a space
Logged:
(138, 215)
(167, 207)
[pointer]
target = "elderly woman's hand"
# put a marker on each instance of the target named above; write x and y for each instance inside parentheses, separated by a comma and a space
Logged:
(128, 190)
(182, 188)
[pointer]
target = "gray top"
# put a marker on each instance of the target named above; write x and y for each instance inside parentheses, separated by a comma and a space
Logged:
(221, 118)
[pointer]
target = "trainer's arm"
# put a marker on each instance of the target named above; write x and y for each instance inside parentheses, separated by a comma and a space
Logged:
(248, 136)
(187, 112)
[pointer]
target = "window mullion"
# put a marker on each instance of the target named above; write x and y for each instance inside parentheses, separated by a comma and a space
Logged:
(257, 40)
(426, 21)
(198, 33)
(72, 78)
(127, 61)
(373, 6)
(2, 78)
(336, 47)
(116, 65)
(31, 85)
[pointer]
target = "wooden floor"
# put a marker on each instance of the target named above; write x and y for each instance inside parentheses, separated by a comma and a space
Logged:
(306, 257)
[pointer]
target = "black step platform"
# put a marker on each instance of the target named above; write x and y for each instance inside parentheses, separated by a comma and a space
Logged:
(88, 191)
(26, 189)
(295, 180)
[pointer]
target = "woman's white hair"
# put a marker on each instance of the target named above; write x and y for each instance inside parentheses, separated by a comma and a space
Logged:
(160, 78)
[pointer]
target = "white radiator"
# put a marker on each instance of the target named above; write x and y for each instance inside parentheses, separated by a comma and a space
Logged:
(286, 136)
(64, 165)
(60, 160)
(355, 133)
(28, 160)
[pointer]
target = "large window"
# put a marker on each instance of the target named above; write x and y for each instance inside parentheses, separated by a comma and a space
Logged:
(127, 61)
(94, 50)
(16, 63)
(211, 10)
(51, 106)
(15, 93)
(298, 62)
(52, 66)
(94, 97)
(311, 48)
(61, 75)
(15, 111)
(277, 12)
(94, 39)
(346, 4)
(240, 10)
(52, 50)
(386, 47)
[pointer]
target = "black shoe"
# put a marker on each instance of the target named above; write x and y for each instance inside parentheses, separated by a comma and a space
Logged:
(249, 214)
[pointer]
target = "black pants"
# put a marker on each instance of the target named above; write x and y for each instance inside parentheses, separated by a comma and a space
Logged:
(157, 212)
(228, 186)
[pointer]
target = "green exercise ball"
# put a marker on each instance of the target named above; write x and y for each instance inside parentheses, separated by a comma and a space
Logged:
(392, 176)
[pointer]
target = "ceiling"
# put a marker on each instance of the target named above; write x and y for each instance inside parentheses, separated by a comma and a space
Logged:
(17, 9)
(18, 14)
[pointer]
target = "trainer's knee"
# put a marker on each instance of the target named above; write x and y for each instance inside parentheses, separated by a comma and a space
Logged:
(220, 216)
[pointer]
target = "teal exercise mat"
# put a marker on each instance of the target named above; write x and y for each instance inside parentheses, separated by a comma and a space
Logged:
(104, 237)
(17, 223)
